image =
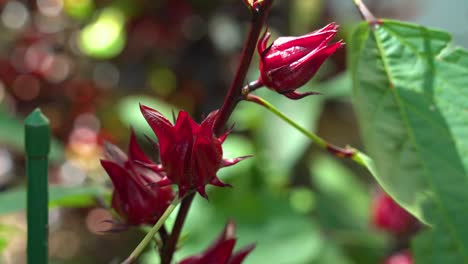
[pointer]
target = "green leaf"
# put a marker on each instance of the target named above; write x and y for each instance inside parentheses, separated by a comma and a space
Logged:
(409, 91)
(344, 210)
(15, 200)
(280, 234)
(343, 200)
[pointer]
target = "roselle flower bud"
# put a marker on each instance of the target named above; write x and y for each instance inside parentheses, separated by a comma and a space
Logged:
(135, 198)
(290, 62)
(190, 153)
(389, 216)
(403, 257)
(221, 251)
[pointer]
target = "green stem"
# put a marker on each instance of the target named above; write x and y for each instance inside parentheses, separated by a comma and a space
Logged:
(149, 236)
(171, 243)
(365, 13)
(350, 153)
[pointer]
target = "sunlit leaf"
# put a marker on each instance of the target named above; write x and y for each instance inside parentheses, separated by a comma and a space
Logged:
(411, 98)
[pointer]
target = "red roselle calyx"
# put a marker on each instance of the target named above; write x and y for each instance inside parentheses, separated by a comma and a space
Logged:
(253, 3)
(134, 198)
(290, 62)
(403, 257)
(191, 154)
(221, 251)
(389, 216)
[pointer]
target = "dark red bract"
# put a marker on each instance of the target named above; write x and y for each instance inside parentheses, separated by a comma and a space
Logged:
(403, 257)
(190, 153)
(389, 216)
(221, 251)
(290, 62)
(134, 198)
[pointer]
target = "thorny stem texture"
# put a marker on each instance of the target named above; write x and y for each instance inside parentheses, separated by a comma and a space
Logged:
(170, 246)
(234, 95)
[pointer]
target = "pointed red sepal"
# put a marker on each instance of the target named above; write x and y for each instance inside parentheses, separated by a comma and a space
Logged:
(162, 127)
(262, 44)
(217, 182)
(221, 250)
(240, 255)
(152, 141)
(223, 137)
(230, 162)
(134, 150)
(202, 191)
(164, 182)
(296, 96)
(154, 167)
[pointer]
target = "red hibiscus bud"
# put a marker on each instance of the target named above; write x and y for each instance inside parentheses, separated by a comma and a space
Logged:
(253, 3)
(389, 216)
(190, 153)
(135, 198)
(221, 251)
(290, 62)
(403, 257)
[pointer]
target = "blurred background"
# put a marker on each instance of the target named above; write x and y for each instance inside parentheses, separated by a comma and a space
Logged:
(88, 63)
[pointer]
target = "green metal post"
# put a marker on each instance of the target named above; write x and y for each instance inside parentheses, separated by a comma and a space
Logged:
(37, 142)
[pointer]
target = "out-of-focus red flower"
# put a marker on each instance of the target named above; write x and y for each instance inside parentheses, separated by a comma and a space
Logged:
(290, 62)
(221, 251)
(403, 257)
(135, 198)
(389, 216)
(190, 153)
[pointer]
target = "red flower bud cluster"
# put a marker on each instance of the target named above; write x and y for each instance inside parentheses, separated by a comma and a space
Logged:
(290, 62)
(191, 154)
(389, 216)
(134, 198)
(403, 257)
(221, 251)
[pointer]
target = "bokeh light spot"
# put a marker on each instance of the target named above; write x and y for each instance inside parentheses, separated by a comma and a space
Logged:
(50, 7)
(71, 175)
(26, 87)
(105, 37)
(6, 166)
(106, 75)
(163, 81)
(95, 221)
(78, 9)
(2, 91)
(88, 120)
(59, 69)
(15, 15)
(302, 200)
